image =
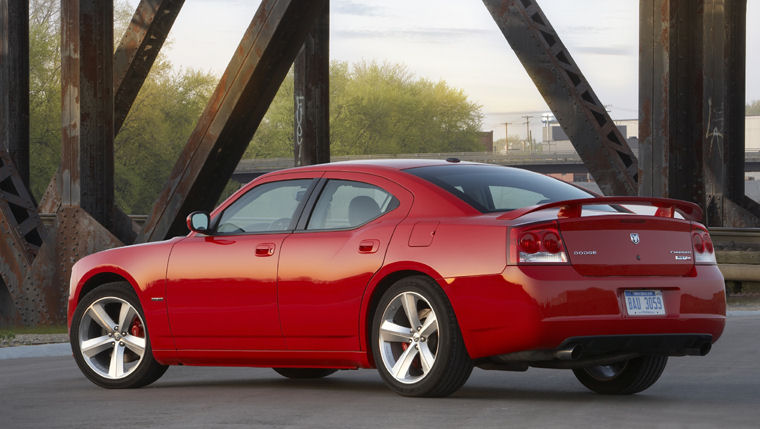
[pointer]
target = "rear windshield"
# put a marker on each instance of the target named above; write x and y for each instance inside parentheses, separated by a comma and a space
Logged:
(492, 188)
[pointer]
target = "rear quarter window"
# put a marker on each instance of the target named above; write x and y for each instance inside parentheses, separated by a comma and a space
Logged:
(492, 188)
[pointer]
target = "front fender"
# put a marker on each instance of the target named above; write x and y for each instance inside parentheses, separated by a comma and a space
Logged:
(144, 268)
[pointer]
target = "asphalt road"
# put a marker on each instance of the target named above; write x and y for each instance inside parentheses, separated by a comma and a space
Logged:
(720, 390)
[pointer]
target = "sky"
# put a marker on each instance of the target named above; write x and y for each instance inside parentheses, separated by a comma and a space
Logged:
(456, 41)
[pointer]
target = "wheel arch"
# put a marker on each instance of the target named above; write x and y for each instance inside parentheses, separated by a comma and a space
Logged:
(380, 283)
(99, 279)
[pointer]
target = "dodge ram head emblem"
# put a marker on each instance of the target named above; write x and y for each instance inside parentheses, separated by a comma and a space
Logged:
(635, 237)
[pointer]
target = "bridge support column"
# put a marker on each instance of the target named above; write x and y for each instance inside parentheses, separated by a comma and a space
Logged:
(691, 106)
(87, 102)
(311, 93)
(14, 83)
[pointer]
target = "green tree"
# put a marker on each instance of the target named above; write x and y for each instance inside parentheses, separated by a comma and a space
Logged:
(44, 92)
(753, 109)
(155, 132)
(378, 109)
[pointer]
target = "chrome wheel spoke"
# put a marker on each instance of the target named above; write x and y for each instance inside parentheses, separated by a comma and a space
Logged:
(136, 344)
(99, 315)
(127, 313)
(409, 302)
(103, 342)
(116, 367)
(96, 345)
(394, 333)
(426, 358)
(430, 326)
(401, 368)
(400, 345)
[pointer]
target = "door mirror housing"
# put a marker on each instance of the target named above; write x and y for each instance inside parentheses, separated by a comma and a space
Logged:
(198, 222)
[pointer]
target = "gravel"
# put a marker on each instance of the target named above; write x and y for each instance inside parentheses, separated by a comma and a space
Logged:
(32, 339)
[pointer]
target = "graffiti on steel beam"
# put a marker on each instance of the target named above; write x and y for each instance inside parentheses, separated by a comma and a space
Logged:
(299, 127)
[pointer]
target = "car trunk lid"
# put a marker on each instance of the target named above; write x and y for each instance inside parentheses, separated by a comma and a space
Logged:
(628, 245)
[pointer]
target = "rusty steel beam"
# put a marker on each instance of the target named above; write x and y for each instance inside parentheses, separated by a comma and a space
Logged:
(87, 165)
(137, 51)
(560, 81)
(311, 95)
(225, 128)
(691, 106)
(723, 113)
(670, 100)
(22, 240)
(14, 83)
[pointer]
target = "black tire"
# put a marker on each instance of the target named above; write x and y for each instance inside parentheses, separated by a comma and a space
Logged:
(623, 378)
(304, 373)
(451, 365)
(111, 297)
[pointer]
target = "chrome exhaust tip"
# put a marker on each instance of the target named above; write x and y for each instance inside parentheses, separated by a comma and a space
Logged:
(569, 353)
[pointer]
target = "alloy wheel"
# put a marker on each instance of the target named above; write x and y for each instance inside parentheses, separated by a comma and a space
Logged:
(112, 338)
(408, 337)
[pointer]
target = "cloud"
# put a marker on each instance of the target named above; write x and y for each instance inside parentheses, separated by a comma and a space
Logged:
(348, 7)
(615, 50)
(429, 35)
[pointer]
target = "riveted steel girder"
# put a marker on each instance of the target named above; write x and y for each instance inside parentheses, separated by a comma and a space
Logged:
(137, 51)
(560, 81)
(225, 128)
(22, 240)
(311, 93)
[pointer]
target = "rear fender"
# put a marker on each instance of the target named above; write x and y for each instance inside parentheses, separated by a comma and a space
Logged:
(380, 282)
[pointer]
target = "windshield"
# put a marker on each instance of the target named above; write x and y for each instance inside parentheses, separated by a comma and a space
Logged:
(493, 188)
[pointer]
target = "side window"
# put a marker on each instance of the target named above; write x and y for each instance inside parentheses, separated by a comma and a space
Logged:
(266, 208)
(346, 204)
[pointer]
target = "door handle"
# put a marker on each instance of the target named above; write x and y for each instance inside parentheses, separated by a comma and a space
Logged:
(369, 246)
(265, 249)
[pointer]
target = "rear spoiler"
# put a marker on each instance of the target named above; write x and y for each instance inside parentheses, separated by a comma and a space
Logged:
(666, 207)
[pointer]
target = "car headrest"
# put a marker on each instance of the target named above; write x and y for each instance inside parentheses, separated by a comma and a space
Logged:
(361, 209)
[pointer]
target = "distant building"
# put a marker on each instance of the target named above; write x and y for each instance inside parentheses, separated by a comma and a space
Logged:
(486, 140)
(752, 133)
(556, 141)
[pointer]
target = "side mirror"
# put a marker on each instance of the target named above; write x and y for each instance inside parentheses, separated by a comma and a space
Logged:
(198, 222)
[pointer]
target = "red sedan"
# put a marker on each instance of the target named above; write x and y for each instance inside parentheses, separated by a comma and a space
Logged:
(422, 269)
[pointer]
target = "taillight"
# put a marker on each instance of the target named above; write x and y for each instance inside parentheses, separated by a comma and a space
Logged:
(704, 252)
(537, 244)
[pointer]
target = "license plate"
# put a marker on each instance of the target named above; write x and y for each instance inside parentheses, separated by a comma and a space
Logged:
(644, 302)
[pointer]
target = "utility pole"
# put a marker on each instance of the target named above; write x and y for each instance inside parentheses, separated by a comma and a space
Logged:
(506, 136)
(527, 132)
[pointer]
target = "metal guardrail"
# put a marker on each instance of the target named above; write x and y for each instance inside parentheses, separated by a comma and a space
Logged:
(48, 219)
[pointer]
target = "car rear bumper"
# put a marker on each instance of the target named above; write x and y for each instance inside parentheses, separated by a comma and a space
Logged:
(581, 352)
(541, 308)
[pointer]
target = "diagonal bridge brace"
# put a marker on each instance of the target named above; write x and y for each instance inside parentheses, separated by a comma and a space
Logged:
(224, 130)
(558, 78)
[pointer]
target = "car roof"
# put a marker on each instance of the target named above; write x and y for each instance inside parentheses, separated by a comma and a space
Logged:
(375, 165)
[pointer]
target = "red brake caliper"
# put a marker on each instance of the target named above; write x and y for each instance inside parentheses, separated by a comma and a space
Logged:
(136, 329)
